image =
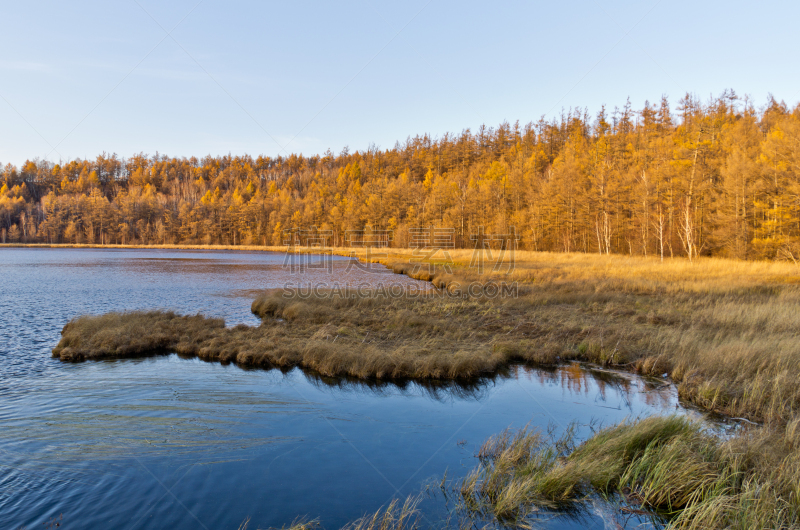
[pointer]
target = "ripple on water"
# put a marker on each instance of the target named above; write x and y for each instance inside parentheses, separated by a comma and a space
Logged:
(169, 442)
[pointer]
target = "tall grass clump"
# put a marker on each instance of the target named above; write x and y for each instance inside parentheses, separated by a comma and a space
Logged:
(664, 465)
(395, 516)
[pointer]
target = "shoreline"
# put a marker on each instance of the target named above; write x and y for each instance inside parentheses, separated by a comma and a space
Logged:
(357, 252)
(630, 313)
(723, 340)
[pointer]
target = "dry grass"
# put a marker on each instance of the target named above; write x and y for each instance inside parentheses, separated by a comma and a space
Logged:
(666, 465)
(117, 335)
(362, 337)
(395, 516)
(725, 331)
(606, 273)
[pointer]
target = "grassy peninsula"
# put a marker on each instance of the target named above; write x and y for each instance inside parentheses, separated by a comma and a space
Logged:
(725, 331)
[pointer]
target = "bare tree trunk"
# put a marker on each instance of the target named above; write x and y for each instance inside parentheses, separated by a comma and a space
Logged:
(686, 229)
(659, 224)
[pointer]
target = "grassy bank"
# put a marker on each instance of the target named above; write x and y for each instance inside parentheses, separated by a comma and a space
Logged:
(667, 469)
(725, 331)
(363, 337)
(663, 465)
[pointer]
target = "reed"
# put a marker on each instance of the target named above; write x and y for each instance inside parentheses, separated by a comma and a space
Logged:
(395, 516)
(726, 332)
(665, 465)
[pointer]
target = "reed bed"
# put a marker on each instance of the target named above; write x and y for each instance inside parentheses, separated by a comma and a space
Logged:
(730, 343)
(362, 337)
(726, 332)
(665, 465)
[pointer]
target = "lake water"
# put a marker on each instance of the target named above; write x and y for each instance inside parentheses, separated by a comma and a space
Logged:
(165, 442)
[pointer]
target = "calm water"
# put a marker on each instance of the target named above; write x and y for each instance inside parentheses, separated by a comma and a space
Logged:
(165, 442)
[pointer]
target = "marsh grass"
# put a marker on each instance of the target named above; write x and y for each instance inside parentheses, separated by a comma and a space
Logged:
(725, 331)
(395, 516)
(665, 465)
(732, 345)
(365, 338)
(133, 334)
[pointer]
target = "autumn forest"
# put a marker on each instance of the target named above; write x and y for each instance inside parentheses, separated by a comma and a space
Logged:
(720, 177)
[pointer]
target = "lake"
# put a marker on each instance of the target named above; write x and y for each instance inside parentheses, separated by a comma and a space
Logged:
(180, 443)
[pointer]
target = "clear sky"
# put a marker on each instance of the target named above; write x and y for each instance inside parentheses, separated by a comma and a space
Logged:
(210, 77)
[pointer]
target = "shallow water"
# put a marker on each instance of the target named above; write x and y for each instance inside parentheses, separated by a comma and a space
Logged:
(176, 443)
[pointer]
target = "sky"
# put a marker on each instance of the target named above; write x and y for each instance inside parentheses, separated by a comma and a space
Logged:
(200, 77)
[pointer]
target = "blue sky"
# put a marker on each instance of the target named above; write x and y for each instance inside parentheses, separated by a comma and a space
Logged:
(185, 78)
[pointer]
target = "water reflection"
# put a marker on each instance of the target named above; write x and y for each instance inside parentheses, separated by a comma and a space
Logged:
(594, 513)
(434, 390)
(580, 378)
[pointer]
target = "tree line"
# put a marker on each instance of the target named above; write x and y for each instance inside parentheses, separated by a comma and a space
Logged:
(720, 177)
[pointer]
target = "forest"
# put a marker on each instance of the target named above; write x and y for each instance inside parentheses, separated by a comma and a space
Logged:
(720, 178)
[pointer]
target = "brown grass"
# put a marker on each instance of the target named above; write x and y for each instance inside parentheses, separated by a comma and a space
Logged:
(395, 516)
(726, 331)
(366, 338)
(117, 335)
(665, 465)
